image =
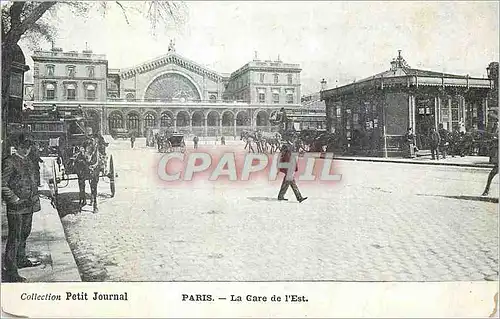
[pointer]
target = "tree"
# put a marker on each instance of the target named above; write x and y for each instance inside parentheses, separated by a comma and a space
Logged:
(29, 19)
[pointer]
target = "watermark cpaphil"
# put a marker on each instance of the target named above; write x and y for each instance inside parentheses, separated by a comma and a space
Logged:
(242, 167)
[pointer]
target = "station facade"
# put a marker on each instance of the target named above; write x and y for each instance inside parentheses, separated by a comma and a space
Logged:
(169, 92)
(373, 115)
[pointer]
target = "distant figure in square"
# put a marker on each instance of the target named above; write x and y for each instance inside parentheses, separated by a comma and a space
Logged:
(443, 140)
(410, 143)
(286, 157)
(434, 139)
(132, 140)
(195, 141)
(222, 140)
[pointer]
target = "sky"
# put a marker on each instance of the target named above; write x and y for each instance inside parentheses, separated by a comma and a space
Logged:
(338, 41)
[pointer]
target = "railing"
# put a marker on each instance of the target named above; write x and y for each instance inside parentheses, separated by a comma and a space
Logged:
(69, 54)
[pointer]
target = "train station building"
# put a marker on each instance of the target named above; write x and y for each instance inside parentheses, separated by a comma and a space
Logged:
(373, 115)
(170, 91)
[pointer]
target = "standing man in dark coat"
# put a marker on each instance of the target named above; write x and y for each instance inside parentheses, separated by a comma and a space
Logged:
(286, 157)
(20, 193)
(195, 141)
(222, 140)
(132, 140)
(434, 142)
(443, 140)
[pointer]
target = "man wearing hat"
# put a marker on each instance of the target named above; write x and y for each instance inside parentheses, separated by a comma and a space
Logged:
(288, 180)
(20, 193)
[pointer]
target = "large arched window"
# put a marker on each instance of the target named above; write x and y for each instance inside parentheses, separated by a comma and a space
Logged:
(149, 120)
(166, 120)
(115, 121)
(133, 121)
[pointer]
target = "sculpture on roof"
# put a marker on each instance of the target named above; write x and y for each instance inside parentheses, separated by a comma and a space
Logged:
(171, 46)
(401, 62)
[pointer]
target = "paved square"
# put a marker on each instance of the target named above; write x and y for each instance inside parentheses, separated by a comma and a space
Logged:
(382, 222)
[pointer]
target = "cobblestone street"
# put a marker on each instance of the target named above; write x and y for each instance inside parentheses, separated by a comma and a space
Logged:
(382, 222)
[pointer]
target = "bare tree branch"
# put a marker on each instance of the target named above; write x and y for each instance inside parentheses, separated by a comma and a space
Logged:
(123, 11)
(15, 33)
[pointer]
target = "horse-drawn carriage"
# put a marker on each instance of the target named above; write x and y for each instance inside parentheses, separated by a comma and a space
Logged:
(75, 151)
(172, 142)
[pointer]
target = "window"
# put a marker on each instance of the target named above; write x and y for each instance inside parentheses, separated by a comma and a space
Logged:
(91, 70)
(90, 92)
(50, 70)
(289, 78)
(133, 121)
(262, 97)
(149, 120)
(276, 98)
(50, 91)
(289, 96)
(262, 78)
(165, 120)
(276, 79)
(71, 71)
(115, 121)
(71, 92)
(130, 97)
(213, 98)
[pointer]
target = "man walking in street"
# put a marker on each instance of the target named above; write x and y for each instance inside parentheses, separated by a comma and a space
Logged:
(288, 180)
(195, 141)
(434, 142)
(494, 171)
(222, 140)
(20, 193)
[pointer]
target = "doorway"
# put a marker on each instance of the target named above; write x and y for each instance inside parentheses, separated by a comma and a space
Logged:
(424, 121)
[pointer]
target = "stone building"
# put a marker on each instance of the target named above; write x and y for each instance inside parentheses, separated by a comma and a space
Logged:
(169, 92)
(372, 115)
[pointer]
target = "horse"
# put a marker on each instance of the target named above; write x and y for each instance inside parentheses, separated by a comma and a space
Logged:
(88, 162)
(273, 140)
(249, 137)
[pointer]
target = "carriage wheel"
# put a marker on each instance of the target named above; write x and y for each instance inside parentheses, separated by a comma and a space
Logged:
(111, 175)
(54, 192)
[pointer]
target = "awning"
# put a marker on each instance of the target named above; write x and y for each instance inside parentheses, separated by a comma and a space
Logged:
(91, 87)
(70, 87)
(50, 86)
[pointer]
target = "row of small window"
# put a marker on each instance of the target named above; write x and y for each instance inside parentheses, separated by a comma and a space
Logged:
(276, 98)
(70, 71)
(276, 78)
(70, 90)
(262, 76)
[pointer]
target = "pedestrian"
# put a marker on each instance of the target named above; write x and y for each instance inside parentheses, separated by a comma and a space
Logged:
(195, 141)
(454, 142)
(443, 140)
(434, 143)
(132, 140)
(55, 112)
(222, 140)
(288, 179)
(410, 143)
(494, 171)
(20, 193)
